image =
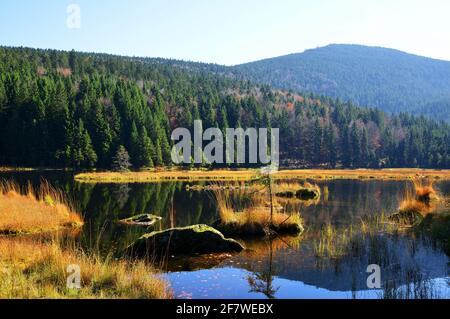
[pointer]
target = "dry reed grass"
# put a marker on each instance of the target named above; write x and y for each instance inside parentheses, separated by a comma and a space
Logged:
(31, 211)
(252, 174)
(424, 190)
(30, 268)
(175, 175)
(258, 211)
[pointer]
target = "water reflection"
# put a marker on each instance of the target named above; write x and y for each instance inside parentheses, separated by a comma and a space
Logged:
(413, 266)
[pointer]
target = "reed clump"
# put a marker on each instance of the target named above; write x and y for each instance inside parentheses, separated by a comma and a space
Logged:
(258, 218)
(37, 269)
(418, 203)
(424, 190)
(29, 211)
(305, 191)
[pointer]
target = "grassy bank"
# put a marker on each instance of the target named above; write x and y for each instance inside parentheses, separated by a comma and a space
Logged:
(34, 269)
(251, 174)
(34, 262)
(257, 218)
(170, 175)
(29, 212)
(363, 174)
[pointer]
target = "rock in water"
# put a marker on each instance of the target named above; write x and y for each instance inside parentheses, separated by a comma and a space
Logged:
(191, 240)
(141, 220)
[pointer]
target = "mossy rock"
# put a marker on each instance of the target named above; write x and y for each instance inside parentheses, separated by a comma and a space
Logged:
(184, 241)
(256, 229)
(408, 217)
(141, 220)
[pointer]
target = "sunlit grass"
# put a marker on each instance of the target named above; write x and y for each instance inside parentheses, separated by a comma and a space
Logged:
(257, 213)
(169, 175)
(336, 242)
(424, 189)
(363, 174)
(31, 211)
(252, 174)
(30, 268)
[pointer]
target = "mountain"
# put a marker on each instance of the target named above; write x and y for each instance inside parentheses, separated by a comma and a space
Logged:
(82, 110)
(391, 80)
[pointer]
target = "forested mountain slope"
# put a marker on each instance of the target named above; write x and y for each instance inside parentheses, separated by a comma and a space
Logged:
(391, 80)
(68, 109)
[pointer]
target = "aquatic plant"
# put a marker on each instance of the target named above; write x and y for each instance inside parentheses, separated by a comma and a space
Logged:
(305, 191)
(258, 218)
(424, 190)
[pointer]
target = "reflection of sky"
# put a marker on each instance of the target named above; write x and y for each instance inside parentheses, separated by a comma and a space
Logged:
(231, 283)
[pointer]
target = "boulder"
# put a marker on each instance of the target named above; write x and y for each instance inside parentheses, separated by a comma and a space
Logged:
(185, 241)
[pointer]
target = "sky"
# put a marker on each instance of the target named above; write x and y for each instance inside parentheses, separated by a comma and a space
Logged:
(225, 31)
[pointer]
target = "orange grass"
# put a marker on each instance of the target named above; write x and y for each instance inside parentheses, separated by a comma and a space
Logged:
(424, 190)
(379, 174)
(413, 205)
(257, 213)
(28, 211)
(175, 175)
(251, 174)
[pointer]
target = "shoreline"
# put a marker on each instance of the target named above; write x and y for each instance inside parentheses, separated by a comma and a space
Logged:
(253, 174)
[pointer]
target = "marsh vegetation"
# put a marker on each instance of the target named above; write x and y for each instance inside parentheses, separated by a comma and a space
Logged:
(38, 228)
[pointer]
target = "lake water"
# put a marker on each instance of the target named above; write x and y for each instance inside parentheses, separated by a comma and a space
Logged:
(412, 266)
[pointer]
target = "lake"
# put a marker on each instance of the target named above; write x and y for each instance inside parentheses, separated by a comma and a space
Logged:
(412, 266)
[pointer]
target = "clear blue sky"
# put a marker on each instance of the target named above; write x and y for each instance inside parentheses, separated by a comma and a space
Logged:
(227, 31)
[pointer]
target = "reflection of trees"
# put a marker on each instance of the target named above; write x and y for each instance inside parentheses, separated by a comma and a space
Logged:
(262, 282)
(121, 192)
(349, 200)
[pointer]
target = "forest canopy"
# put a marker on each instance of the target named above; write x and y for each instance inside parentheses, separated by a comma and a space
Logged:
(70, 109)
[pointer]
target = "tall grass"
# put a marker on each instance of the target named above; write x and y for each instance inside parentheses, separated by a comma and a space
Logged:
(424, 190)
(37, 269)
(337, 242)
(28, 210)
(257, 210)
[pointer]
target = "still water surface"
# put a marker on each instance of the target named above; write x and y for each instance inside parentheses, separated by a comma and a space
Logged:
(412, 266)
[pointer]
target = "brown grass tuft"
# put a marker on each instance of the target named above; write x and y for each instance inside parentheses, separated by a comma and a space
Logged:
(31, 211)
(424, 190)
(34, 269)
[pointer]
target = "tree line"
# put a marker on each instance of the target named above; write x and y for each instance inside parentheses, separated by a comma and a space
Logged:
(81, 110)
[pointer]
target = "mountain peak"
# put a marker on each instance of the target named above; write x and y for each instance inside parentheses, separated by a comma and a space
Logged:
(373, 76)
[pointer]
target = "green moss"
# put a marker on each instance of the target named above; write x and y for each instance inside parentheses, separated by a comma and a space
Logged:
(141, 220)
(191, 240)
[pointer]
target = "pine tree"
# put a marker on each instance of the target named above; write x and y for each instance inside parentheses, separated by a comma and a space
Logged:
(121, 161)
